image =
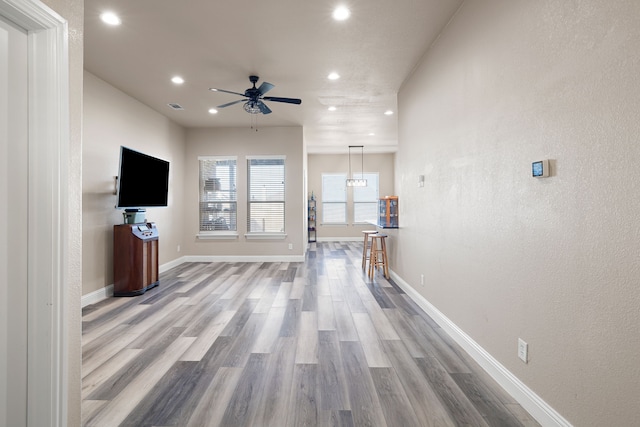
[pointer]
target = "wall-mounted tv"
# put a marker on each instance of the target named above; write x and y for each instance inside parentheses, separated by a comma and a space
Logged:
(143, 180)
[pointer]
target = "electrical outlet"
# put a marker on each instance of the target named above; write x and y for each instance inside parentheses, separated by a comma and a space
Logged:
(422, 279)
(523, 350)
(178, 248)
(290, 246)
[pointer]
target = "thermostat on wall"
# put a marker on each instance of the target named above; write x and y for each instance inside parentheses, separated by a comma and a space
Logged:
(540, 169)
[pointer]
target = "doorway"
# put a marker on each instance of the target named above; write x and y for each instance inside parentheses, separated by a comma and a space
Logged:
(13, 219)
(34, 140)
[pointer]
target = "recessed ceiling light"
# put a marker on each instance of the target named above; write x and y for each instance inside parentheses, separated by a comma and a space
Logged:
(110, 18)
(332, 108)
(341, 13)
(372, 134)
(333, 76)
(213, 111)
(388, 112)
(177, 80)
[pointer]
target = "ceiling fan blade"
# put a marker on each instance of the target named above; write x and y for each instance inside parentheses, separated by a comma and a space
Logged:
(265, 87)
(287, 100)
(213, 89)
(231, 103)
(263, 108)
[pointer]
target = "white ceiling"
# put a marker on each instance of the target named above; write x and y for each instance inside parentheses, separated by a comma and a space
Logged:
(293, 44)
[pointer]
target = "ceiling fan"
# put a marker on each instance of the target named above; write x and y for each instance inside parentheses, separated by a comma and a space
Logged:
(254, 97)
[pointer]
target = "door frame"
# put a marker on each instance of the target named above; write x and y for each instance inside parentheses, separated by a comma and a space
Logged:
(47, 233)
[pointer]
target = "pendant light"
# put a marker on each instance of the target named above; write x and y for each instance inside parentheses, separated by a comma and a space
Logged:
(351, 182)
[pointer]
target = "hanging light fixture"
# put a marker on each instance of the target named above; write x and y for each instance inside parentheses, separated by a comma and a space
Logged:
(351, 182)
(251, 107)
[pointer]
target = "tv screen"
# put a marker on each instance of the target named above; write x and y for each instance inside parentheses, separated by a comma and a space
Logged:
(143, 180)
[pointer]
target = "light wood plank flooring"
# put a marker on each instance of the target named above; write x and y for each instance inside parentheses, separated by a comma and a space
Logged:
(280, 344)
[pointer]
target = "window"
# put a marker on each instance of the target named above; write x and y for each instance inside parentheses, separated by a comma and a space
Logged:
(217, 194)
(265, 210)
(365, 200)
(334, 198)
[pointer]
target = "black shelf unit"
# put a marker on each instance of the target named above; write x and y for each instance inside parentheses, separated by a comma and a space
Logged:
(311, 220)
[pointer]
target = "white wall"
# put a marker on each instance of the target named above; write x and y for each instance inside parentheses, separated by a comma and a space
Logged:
(553, 261)
(242, 142)
(112, 119)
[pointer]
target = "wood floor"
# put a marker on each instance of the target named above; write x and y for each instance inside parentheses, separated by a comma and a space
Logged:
(280, 344)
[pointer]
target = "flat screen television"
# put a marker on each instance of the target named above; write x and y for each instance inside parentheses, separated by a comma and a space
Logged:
(143, 181)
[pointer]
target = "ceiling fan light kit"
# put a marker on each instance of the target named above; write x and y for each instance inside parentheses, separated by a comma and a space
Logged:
(254, 97)
(252, 108)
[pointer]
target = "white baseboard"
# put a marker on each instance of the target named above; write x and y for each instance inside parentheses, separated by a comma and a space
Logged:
(339, 239)
(171, 264)
(538, 408)
(247, 258)
(96, 296)
(107, 291)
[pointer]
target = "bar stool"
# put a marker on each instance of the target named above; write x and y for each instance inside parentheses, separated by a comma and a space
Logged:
(366, 246)
(378, 255)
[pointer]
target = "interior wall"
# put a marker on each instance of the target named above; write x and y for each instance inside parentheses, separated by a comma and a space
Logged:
(242, 142)
(112, 119)
(339, 163)
(553, 261)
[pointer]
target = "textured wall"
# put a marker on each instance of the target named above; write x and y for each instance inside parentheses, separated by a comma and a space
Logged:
(553, 261)
(242, 142)
(112, 119)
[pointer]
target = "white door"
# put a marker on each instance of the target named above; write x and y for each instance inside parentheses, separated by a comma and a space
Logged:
(13, 224)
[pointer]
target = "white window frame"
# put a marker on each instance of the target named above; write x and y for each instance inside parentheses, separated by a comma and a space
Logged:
(360, 198)
(252, 234)
(227, 197)
(328, 202)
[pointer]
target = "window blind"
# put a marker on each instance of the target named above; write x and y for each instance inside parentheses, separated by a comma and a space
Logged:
(334, 198)
(365, 200)
(218, 195)
(266, 194)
